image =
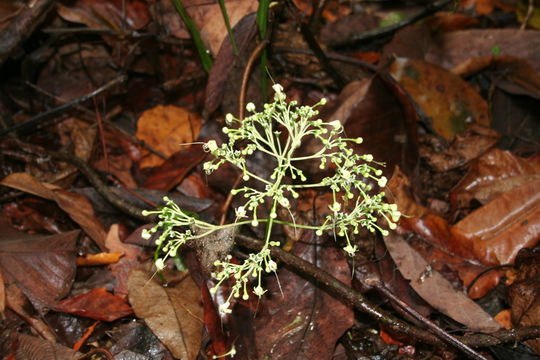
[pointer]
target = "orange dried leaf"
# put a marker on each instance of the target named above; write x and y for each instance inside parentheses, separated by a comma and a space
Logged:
(166, 127)
(504, 318)
(102, 258)
(97, 304)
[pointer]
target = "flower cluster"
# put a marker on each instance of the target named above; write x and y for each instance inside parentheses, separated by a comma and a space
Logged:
(278, 131)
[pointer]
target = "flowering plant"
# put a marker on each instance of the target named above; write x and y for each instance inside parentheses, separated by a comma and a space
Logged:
(278, 131)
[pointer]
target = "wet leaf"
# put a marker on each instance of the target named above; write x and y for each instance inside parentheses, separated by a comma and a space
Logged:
(97, 304)
(437, 245)
(444, 156)
(208, 19)
(43, 266)
(492, 174)
(497, 231)
(173, 313)
(132, 257)
(450, 102)
(435, 289)
(166, 128)
(77, 206)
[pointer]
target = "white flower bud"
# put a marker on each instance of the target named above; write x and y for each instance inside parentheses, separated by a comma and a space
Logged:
(277, 88)
(250, 107)
(211, 146)
(160, 264)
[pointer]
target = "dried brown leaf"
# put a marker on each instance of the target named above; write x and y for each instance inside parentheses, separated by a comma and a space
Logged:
(435, 289)
(43, 266)
(174, 313)
(76, 206)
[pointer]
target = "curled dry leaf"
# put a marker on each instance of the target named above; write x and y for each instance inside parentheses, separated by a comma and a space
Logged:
(173, 313)
(166, 128)
(497, 231)
(495, 172)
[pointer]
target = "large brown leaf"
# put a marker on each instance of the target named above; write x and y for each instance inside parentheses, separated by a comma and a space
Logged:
(43, 266)
(497, 231)
(174, 313)
(450, 102)
(435, 289)
(77, 206)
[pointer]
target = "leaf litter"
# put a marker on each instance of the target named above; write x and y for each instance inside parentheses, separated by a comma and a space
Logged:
(450, 106)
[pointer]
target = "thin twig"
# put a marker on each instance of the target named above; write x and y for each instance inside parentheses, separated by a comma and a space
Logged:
(247, 71)
(359, 302)
(368, 36)
(443, 335)
(33, 122)
(106, 119)
(321, 56)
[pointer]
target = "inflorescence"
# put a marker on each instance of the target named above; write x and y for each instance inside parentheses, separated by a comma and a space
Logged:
(278, 131)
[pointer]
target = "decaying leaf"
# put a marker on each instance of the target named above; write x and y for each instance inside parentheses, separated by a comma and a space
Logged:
(435, 289)
(453, 48)
(450, 102)
(174, 313)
